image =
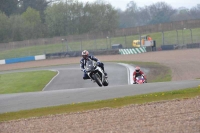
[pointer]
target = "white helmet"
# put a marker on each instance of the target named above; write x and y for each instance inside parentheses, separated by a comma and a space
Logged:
(85, 54)
(137, 69)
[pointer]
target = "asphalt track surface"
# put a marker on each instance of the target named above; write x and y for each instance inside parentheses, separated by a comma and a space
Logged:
(68, 87)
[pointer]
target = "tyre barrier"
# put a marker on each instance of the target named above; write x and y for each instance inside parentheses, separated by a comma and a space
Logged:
(22, 59)
(167, 47)
(133, 50)
(78, 53)
(193, 45)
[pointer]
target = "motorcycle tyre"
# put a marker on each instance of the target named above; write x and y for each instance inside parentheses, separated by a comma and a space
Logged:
(105, 83)
(97, 79)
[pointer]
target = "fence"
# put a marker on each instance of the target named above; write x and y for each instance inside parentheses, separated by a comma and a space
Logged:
(179, 33)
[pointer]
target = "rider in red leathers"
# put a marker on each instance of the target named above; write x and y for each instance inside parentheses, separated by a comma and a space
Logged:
(137, 73)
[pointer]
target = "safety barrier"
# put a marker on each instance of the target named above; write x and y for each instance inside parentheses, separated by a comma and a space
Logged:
(193, 45)
(167, 47)
(22, 59)
(133, 50)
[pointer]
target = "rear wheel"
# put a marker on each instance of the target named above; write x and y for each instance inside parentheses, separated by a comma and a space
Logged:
(97, 78)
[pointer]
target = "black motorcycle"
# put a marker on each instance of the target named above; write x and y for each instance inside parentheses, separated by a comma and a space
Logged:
(96, 73)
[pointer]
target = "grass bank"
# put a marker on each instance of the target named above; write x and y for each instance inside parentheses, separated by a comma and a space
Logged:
(111, 103)
(170, 37)
(25, 81)
(157, 72)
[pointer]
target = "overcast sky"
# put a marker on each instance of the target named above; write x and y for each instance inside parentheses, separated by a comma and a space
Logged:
(141, 3)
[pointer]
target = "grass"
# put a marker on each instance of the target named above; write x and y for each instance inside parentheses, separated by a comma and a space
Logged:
(157, 72)
(111, 103)
(170, 37)
(25, 81)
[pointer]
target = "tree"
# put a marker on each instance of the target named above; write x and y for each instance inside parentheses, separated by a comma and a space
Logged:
(160, 12)
(57, 19)
(103, 17)
(182, 13)
(9, 6)
(39, 5)
(133, 16)
(195, 12)
(143, 16)
(32, 22)
(17, 27)
(73, 17)
(84, 21)
(129, 16)
(4, 28)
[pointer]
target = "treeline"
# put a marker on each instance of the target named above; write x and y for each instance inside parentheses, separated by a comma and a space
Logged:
(31, 19)
(53, 18)
(159, 12)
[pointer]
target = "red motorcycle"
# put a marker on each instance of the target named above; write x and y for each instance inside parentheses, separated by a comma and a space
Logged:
(140, 80)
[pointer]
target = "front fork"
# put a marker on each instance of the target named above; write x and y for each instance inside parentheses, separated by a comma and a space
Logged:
(101, 73)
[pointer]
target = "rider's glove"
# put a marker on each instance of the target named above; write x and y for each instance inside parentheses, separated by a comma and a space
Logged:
(98, 63)
(84, 71)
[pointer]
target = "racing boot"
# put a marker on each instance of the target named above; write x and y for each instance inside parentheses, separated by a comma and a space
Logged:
(106, 75)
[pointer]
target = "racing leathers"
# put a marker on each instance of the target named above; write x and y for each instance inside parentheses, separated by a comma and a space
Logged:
(83, 64)
(140, 73)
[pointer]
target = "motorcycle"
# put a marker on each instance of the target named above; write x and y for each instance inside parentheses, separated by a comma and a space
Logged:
(96, 73)
(140, 80)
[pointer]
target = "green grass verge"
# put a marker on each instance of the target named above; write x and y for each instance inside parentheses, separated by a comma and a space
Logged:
(170, 37)
(111, 103)
(157, 72)
(25, 81)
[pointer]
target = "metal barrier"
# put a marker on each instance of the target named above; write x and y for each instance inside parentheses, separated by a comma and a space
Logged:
(22, 59)
(193, 45)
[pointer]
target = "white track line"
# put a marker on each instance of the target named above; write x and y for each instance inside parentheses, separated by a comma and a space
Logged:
(51, 79)
(130, 70)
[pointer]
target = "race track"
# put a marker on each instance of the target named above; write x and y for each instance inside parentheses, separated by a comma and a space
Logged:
(69, 87)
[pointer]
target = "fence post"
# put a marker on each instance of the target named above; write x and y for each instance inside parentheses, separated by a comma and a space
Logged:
(110, 41)
(107, 42)
(191, 35)
(125, 40)
(182, 37)
(95, 44)
(62, 43)
(67, 45)
(163, 43)
(81, 46)
(177, 37)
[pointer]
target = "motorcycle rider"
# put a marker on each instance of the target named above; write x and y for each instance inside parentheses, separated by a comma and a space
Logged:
(86, 57)
(137, 73)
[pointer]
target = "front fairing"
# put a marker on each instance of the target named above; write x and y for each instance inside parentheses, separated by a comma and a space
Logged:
(90, 66)
(140, 79)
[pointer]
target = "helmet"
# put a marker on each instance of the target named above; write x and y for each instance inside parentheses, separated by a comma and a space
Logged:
(85, 54)
(137, 69)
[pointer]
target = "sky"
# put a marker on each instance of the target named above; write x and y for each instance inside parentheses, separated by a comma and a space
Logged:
(141, 3)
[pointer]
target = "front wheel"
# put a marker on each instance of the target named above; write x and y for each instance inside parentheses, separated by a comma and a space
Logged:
(105, 83)
(97, 78)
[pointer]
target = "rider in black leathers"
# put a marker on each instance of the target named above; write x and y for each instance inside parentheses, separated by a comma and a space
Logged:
(86, 56)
